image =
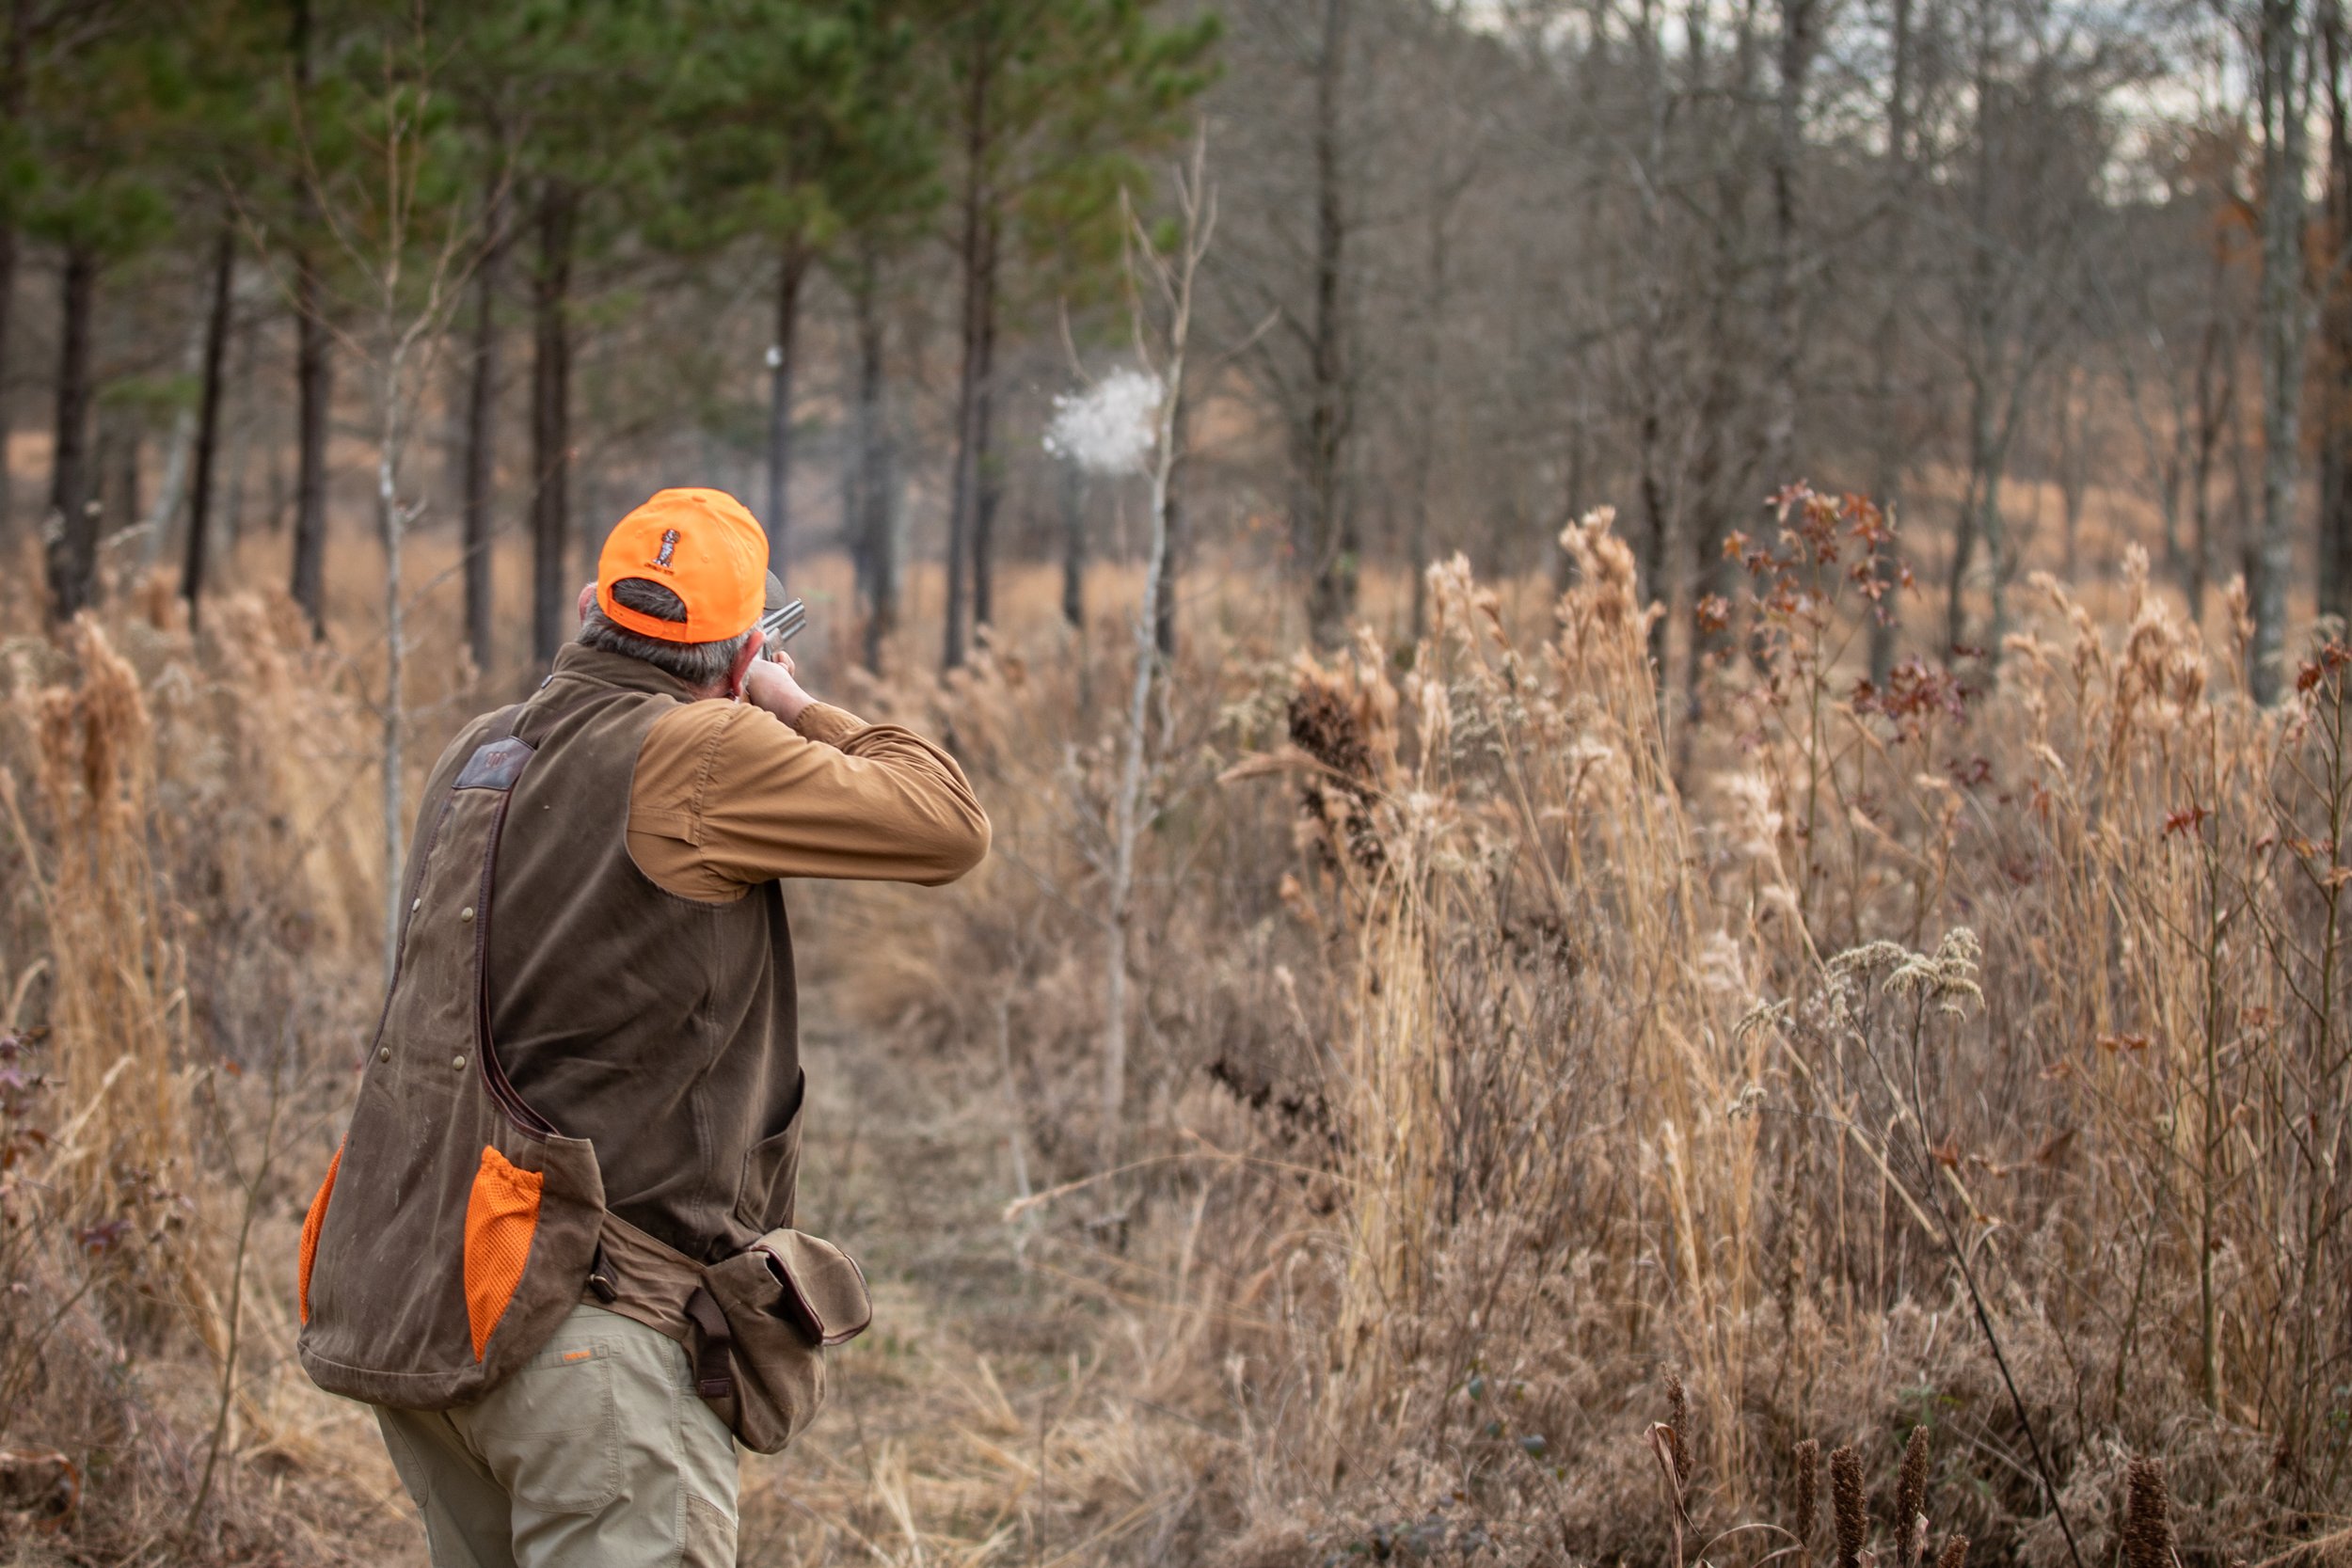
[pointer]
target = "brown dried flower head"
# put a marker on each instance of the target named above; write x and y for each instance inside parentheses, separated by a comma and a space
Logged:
(1911, 1497)
(1846, 1500)
(2147, 1517)
(1808, 1486)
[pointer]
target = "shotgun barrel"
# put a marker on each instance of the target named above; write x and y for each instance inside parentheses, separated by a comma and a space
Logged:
(779, 626)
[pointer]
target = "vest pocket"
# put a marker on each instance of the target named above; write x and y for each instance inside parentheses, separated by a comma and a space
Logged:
(772, 1173)
(311, 1224)
(502, 1212)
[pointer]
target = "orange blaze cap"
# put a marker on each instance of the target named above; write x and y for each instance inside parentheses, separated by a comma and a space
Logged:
(701, 544)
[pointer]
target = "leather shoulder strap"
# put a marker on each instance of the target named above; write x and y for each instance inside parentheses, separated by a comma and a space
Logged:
(501, 730)
(496, 765)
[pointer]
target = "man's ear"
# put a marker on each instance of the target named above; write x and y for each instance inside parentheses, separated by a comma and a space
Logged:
(587, 598)
(744, 659)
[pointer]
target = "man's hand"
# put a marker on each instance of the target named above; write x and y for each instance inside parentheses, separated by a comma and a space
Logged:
(773, 683)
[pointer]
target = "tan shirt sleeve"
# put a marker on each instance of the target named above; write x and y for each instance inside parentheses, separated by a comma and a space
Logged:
(727, 796)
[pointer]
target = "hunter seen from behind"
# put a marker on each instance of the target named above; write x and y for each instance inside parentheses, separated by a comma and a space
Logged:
(1661, 695)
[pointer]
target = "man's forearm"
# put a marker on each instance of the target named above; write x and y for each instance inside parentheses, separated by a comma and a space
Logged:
(774, 686)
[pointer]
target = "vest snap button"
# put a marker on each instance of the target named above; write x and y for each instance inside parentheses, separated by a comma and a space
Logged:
(414, 904)
(385, 1054)
(466, 914)
(457, 1062)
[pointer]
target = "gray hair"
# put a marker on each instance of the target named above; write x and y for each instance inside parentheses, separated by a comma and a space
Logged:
(696, 663)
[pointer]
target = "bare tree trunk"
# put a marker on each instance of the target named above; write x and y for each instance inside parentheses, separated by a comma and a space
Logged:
(1796, 21)
(2282, 337)
(280, 496)
(1172, 558)
(550, 417)
(8, 295)
(1072, 489)
(2334, 586)
(208, 419)
(1888, 463)
(2335, 405)
(1649, 351)
(1982, 348)
(128, 447)
(73, 522)
(963, 491)
(1722, 481)
(2245, 538)
(481, 433)
(13, 79)
(314, 385)
(155, 524)
(1424, 446)
(314, 390)
(1575, 481)
(240, 441)
(1965, 524)
(1993, 423)
(400, 333)
(1200, 223)
(2073, 467)
(1576, 463)
(392, 521)
(2216, 408)
(987, 468)
(1330, 531)
(2168, 484)
(870, 510)
(792, 268)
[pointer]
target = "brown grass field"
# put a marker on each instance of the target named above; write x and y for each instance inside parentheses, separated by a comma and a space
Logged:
(1551, 1132)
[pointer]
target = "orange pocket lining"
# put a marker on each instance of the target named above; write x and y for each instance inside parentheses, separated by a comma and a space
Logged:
(502, 1212)
(311, 1224)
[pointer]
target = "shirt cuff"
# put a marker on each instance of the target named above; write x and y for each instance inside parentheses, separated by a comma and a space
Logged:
(823, 721)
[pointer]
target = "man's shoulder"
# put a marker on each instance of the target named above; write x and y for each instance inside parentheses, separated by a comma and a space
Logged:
(696, 725)
(471, 735)
(688, 735)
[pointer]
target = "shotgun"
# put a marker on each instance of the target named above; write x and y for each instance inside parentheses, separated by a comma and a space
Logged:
(779, 626)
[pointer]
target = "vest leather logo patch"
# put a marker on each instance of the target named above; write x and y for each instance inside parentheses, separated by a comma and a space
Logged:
(669, 546)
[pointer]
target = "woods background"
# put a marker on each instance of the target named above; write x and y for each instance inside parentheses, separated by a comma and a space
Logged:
(1543, 981)
(2000, 266)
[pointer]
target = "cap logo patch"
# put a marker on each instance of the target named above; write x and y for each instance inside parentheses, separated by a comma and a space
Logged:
(669, 545)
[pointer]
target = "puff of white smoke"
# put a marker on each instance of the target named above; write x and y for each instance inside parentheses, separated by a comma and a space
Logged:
(1109, 428)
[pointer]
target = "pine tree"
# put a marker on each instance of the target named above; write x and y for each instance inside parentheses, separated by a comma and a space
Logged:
(16, 50)
(1053, 100)
(790, 121)
(227, 47)
(880, 189)
(99, 103)
(581, 85)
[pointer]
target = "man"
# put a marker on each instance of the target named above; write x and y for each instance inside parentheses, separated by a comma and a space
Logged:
(635, 968)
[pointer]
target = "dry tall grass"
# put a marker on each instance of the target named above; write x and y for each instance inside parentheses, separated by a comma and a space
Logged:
(181, 946)
(1552, 1124)
(1967, 1054)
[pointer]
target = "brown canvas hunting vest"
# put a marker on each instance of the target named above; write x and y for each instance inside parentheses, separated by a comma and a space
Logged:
(580, 1082)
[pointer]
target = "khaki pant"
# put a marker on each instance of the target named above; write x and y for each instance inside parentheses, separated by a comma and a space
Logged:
(597, 1452)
